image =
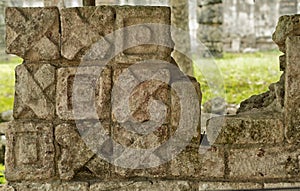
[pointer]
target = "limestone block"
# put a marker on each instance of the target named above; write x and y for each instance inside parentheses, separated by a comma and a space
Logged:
(83, 93)
(56, 186)
(143, 35)
(210, 14)
(30, 151)
(263, 163)
(283, 185)
(287, 26)
(246, 129)
(35, 91)
(203, 186)
(192, 164)
(143, 186)
(33, 33)
(74, 152)
(292, 89)
(140, 102)
(84, 26)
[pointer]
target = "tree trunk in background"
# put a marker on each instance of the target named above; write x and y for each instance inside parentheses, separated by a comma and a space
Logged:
(180, 20)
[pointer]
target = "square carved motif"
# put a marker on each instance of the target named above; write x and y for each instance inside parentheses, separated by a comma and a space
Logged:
(30, 151)
(83, 93)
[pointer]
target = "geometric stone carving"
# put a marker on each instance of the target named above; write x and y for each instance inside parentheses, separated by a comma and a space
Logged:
(35, 91)
(149, 36)
(30, 151)
(83, 93)
(292, 89)
(74, 153)
(81, 27)
(33, 33)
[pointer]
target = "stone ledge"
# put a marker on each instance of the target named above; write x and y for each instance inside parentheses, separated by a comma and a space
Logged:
(254, 128)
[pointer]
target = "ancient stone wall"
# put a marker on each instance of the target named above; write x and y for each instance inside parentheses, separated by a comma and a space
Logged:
(86, 100)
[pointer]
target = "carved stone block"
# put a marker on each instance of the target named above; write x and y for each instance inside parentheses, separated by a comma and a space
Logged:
(33, 33)
(143, 33)
(83, 93)
(74, 152)
(35, 91)
(30, 151)
(84, 26)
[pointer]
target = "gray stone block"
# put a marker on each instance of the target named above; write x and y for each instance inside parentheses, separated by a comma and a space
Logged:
(33, 33)
(253, 128)
(263, 163)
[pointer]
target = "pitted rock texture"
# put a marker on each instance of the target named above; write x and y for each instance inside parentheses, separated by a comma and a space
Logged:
(30, 151)
(33, 33)
(292, 89)
(35, 91)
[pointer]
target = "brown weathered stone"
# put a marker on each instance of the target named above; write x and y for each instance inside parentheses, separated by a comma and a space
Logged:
(30, 151)
(56, 186)
(292, 89)
(191, 163)
(93, 22)
(287, 26)
(246, 129)
(74, 152)
(263, 163)
(33, 33)
(83, 93)
(143, 186)
(283, 185)
(35, 91)
(203, 186)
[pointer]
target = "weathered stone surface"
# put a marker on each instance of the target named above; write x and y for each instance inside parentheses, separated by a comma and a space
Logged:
(140, 102)
(263, 163)
(33, 33)
(35, 91)
(150, 35)
(93, 22)
(292, 89)
(83, 93)
(228, 186)
(270, 101)
(56, 186)
(246, 129)
(284, 185)
(6, 188)
(191, 163)
(74, 152)
(29, 151)
(143, 186)
(212, 14)
(287, 26)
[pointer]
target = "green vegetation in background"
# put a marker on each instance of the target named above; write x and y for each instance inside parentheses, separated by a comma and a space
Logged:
(2, 178)
(7, 82)
(244, 75)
